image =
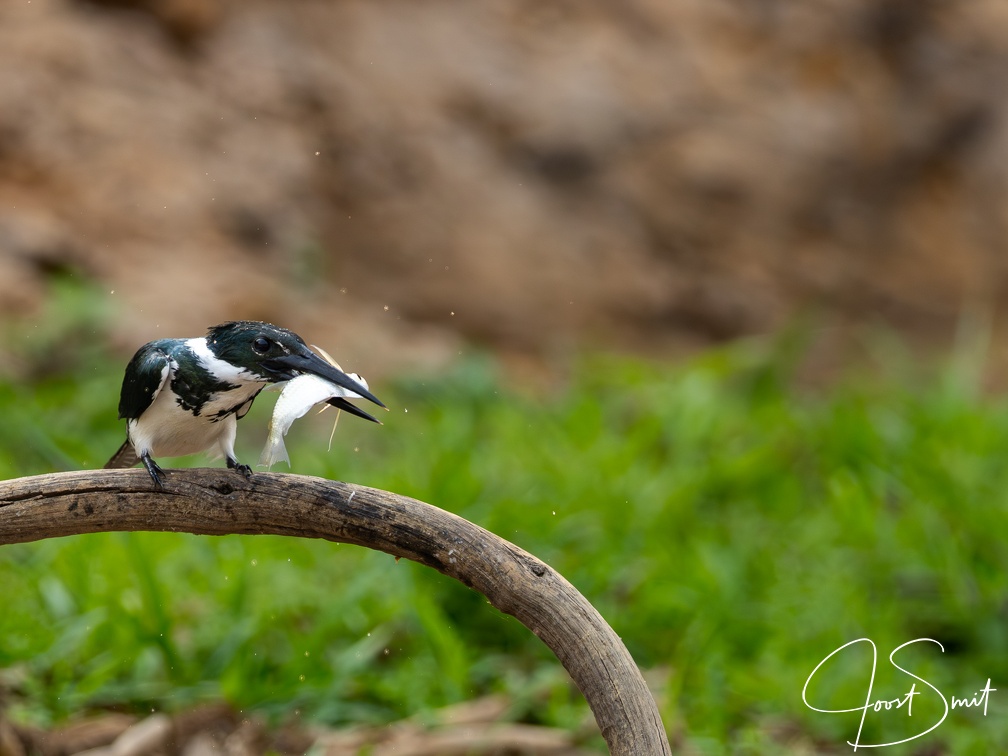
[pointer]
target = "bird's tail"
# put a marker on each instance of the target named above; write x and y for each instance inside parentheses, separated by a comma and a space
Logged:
(125, 457)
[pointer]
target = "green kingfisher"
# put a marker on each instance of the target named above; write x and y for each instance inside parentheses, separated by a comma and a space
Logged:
(182, 396)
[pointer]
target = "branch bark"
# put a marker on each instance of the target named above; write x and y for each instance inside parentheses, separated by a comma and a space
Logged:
(220, 502)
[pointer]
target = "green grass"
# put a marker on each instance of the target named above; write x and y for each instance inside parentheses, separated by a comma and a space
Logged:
(732, 528)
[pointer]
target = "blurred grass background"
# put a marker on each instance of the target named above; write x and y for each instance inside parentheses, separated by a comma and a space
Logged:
(732, 523)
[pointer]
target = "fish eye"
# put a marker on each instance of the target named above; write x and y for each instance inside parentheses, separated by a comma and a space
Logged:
(261, 345)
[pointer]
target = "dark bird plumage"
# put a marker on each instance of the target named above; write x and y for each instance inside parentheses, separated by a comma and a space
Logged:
(181, 396)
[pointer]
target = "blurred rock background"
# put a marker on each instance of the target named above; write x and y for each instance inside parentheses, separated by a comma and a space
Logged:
(396, 179)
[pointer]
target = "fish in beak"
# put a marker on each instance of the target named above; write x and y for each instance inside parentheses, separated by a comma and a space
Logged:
(289, 366)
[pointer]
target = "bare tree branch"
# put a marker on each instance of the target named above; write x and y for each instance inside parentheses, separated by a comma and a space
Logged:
(221, 502)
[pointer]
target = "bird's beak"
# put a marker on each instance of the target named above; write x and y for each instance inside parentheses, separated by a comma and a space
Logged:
(291, 365)
(342, 404)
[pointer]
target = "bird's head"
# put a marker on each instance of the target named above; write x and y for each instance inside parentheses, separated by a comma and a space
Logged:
(275, 354)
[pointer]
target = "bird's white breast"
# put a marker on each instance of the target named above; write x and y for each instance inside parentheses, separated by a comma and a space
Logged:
(165, 429)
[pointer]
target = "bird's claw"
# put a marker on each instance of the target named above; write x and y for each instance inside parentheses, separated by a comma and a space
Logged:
(155, 471)
(245, 470)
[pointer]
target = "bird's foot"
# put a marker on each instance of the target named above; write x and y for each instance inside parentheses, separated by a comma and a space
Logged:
(156, 473)
(234, 464)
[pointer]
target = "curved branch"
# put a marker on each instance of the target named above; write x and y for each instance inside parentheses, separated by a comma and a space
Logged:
(220, 502)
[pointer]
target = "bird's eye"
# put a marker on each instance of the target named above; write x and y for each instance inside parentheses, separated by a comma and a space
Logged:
(261, 345)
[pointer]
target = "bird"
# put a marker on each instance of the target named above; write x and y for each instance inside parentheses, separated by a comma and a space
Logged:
(182, 396)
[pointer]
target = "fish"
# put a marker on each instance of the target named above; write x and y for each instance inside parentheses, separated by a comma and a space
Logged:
(298, 396)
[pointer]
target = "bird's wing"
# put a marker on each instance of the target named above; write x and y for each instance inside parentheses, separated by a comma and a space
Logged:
(125, 457)
(146, 375)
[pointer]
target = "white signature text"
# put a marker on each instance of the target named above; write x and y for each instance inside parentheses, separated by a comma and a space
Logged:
(980, 699)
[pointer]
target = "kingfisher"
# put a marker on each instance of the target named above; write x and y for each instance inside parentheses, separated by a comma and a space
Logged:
(182, 396)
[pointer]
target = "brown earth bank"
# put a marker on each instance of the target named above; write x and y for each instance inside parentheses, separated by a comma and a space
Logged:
(396, 179)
